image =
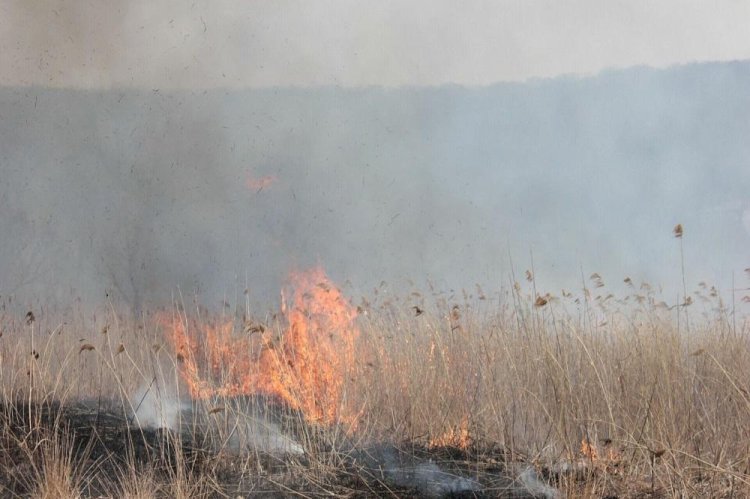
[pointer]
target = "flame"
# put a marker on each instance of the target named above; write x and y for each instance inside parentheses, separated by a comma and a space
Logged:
(306, 366)
(589, 450)
(456, 436)
(604, 457)
(258, 184)
(213, 362)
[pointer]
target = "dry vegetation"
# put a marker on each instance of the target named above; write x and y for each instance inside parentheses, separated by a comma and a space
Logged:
(600, 396)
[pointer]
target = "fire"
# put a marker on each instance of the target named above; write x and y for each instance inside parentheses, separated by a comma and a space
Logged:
(317, 352)
(213, 362)
(605, 457)
(258, 184)
(456, 436)
(306, 365)
(589, 450)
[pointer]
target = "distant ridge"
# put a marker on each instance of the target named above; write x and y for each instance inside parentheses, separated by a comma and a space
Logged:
(136, 192)
(721, 66)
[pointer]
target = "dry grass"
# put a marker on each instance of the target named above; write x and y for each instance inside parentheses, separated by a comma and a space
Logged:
(658, 404)
(602, 396)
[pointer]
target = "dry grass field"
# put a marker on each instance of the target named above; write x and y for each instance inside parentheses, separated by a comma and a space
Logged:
(516, 394)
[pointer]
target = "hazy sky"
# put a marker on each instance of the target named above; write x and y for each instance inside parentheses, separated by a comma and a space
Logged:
(221, 176)
(421, 42)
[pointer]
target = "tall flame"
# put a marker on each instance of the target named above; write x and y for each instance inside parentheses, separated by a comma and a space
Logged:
(307, 365)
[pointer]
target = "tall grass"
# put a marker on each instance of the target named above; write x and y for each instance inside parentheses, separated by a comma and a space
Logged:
(604, 395)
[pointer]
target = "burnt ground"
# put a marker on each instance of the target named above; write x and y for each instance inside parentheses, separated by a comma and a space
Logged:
(105, 442)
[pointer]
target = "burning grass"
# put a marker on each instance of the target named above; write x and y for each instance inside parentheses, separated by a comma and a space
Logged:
(306, 364)
(489, 396)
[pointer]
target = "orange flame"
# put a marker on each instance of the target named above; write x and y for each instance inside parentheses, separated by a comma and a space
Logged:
(306, 366)
(589, 450)
(605, 457)
(456, 436)
(258, 184)
(219, 365)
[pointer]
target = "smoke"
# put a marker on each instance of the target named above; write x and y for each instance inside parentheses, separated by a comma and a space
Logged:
(430, 480)
(246, 424)
(139, 195)
(535, 487)
(157, 408)
(235, 44)
(248, 433)
(240, 425)
(406, 470)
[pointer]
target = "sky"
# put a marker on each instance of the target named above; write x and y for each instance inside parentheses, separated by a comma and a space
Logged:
(266, 43)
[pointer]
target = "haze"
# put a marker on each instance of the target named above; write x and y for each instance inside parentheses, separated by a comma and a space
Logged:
(266, 43)
(149, 147)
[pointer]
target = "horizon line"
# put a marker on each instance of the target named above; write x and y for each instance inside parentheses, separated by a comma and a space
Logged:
(533, 80)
